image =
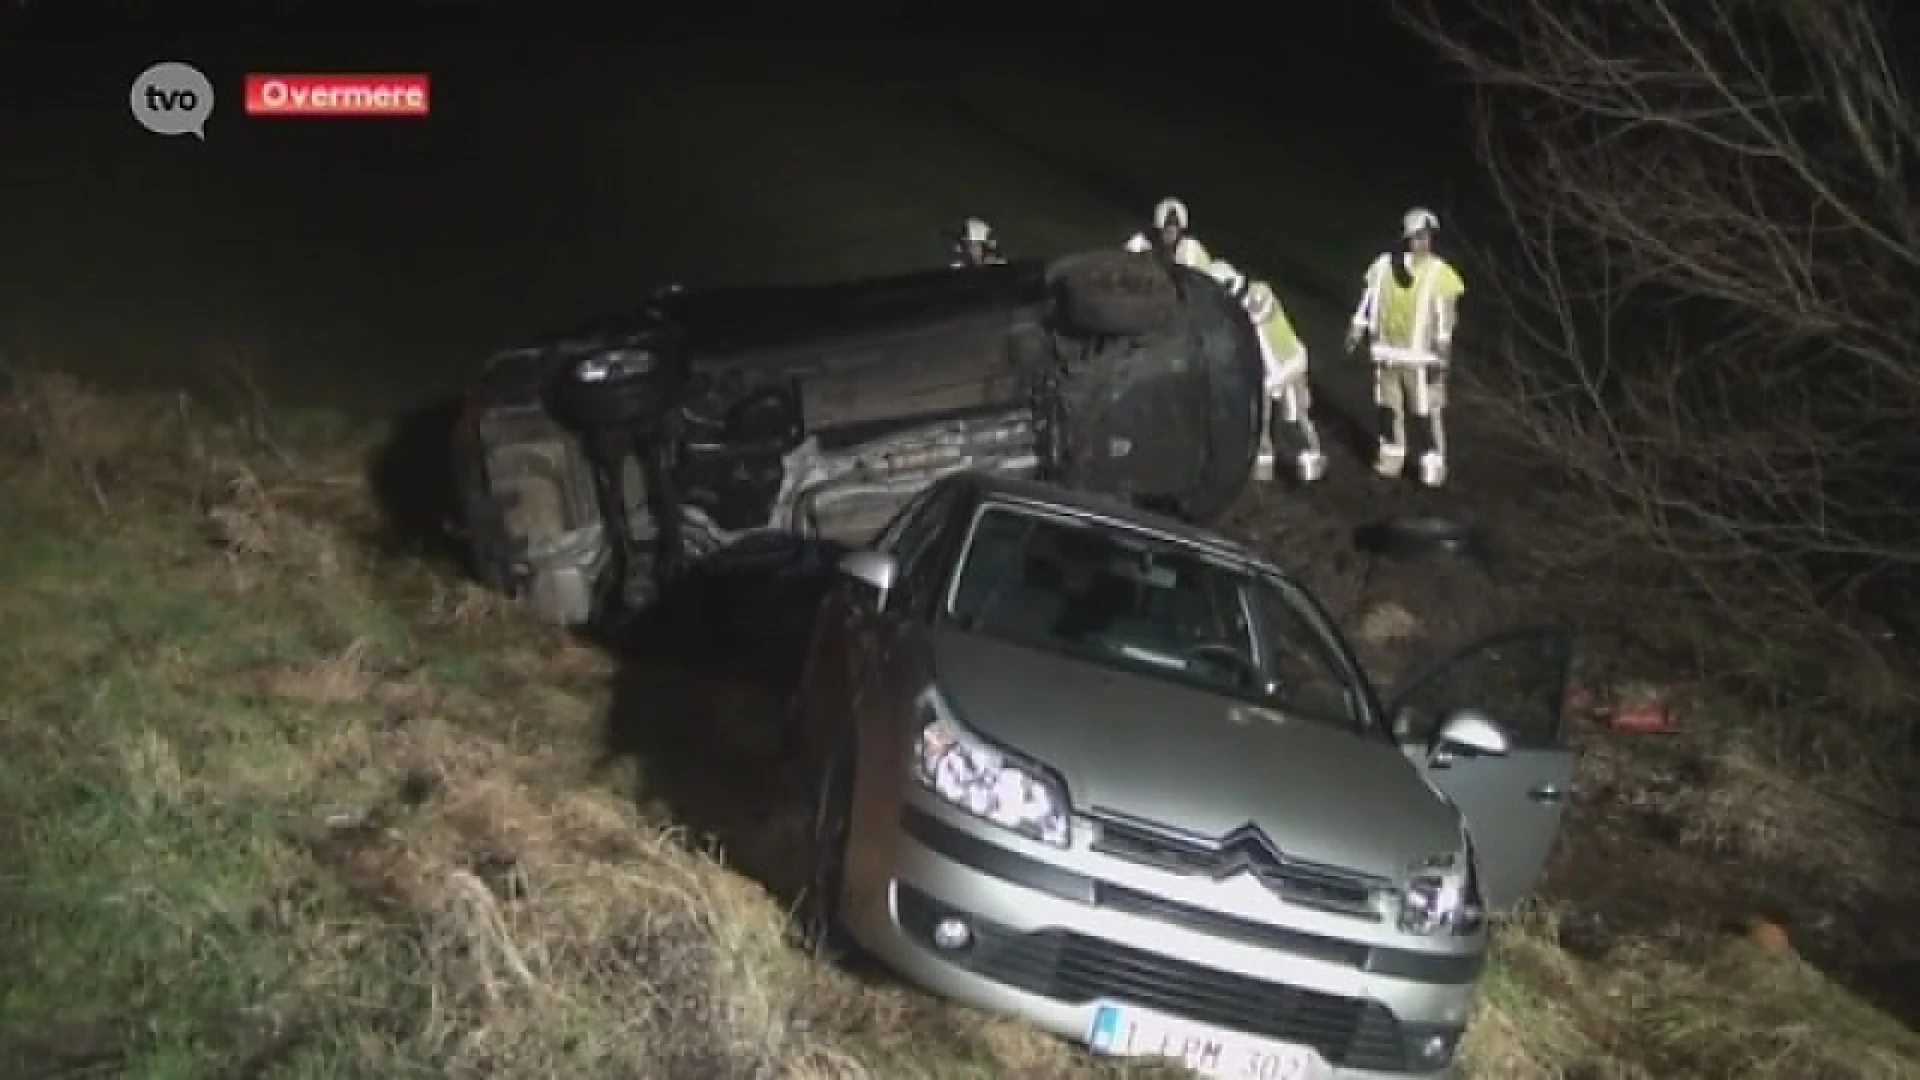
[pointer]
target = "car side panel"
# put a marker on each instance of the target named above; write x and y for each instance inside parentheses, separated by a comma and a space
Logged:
(883, 709)
(1513, 806)
(1512, 802)
(826, 679)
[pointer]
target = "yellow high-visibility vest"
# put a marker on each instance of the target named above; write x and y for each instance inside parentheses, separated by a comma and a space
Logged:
(1419, 315)
(1280, 333)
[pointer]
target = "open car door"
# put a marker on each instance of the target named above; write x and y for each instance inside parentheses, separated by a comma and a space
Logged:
(1512, 801)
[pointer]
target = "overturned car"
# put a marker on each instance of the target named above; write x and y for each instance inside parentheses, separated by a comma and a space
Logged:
(746, 422)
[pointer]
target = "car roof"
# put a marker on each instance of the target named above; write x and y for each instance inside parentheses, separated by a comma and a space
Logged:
(1007, 488)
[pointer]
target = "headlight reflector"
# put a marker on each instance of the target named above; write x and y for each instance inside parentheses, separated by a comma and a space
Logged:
(1441, 896)
(985, 781)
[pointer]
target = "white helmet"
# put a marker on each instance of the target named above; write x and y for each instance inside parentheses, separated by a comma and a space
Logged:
(1229, 278)
(1260, 301)
(1417, 220)
(976, 231)
(1170, 211)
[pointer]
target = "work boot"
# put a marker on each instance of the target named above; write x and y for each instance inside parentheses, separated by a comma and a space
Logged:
(1312, 465)
(1393, 456)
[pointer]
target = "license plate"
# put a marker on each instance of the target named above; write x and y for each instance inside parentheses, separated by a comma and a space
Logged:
(1215, 1053)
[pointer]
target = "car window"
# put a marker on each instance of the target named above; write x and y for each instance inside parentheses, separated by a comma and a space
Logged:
(1307, 679)
(1111, 596)
(1519, 678)
(895, 530)
(920, 550)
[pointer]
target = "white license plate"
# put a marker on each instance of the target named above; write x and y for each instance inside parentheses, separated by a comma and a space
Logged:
(1212, 1052)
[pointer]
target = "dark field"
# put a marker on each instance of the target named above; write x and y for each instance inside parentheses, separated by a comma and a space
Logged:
(379, 261)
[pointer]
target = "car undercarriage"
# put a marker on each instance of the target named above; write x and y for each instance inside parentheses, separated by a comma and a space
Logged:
(721, 424)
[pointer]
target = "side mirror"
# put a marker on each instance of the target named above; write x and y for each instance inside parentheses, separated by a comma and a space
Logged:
(1471, 730)
(875, 569)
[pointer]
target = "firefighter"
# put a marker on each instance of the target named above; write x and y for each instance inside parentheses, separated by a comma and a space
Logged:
(1407, 315)
(1283, 360)
(976, 245)
(1284, 356)
(1170, 234)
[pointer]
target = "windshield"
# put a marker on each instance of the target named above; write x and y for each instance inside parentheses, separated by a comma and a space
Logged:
(1131, 601)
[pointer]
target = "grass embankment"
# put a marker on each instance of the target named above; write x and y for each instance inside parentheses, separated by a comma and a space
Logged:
(273, 802)
(1696, 921)
(272, 805)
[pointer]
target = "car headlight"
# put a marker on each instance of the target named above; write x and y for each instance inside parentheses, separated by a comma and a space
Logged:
(985, 781)
(1441, 896)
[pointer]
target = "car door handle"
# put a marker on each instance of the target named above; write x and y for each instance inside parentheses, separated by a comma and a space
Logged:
(1547, 793)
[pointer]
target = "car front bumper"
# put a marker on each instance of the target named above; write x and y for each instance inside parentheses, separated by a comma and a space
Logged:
(1051, 943)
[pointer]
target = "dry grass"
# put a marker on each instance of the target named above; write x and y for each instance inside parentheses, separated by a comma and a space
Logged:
(274, 804)
(1733, 799)
(1743, 1008)
(1718, 905)
(259, 818)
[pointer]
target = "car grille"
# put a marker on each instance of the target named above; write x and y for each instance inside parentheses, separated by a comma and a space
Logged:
(1329, 950)
(1077, 969)
(1307, 884)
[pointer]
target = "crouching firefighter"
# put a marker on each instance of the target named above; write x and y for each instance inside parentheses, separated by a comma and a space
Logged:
(1407, 316)
(975, 245)
(1283, 357)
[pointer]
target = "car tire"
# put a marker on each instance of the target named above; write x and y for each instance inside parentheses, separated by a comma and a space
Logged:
(1225, 340)
(482, 524)
(831, 825)
(621, 400)
(1423, 536)
(1117, 293)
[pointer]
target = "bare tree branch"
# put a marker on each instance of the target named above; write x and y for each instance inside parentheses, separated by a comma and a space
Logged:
(1707, 263)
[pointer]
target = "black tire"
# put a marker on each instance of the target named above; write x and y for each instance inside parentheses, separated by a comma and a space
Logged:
(1114, 293)
(819, 923)
(1423, 536)
(624, 399)
(482, 522)
(1224, 339)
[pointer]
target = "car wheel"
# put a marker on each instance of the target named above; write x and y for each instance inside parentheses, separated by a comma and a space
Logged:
(1118, 293)
(1421, 536)
(832, 823)
(634, 390)
(1226, 342)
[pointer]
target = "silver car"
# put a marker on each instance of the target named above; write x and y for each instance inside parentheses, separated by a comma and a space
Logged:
(1119, 777)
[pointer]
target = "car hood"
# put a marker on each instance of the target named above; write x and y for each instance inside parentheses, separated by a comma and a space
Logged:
(1198, 762)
